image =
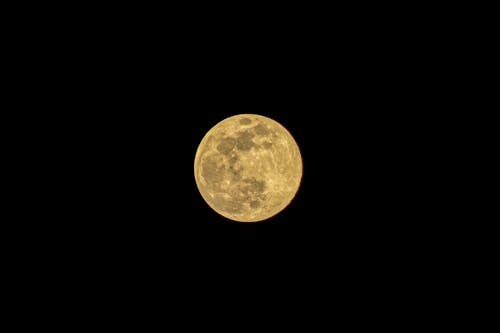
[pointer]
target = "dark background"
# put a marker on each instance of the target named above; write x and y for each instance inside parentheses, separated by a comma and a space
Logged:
(132, 98)
(128, 97)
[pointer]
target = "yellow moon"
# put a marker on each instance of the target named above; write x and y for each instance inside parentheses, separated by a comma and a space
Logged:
(248, 168)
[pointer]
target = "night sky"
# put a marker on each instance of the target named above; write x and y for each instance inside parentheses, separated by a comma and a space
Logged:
(134, 104)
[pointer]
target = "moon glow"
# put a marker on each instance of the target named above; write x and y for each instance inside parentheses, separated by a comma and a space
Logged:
(248, 168)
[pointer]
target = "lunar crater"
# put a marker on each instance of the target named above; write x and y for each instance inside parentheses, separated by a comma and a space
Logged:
(267, 145)
(245, 121)
(260, 130)
(226, 145)
(244, 141)
(253, 185)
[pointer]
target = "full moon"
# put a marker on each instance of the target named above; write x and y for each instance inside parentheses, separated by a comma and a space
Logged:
(248, 168)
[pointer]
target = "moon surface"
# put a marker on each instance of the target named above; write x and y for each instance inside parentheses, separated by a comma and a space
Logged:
(248, 168)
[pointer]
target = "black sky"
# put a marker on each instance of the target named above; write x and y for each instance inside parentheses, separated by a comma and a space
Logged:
(134, 99)
(145, 101)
